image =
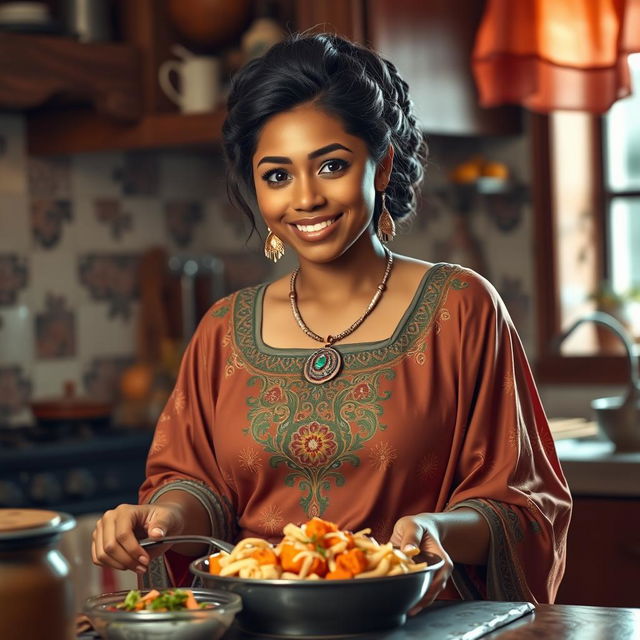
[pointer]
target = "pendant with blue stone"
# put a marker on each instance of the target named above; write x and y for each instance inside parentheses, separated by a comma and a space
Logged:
(322, 365)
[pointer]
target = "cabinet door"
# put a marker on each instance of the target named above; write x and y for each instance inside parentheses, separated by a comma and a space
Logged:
(430, 42)
(603, 554)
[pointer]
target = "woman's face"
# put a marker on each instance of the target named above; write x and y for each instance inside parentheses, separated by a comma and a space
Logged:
(315, 183)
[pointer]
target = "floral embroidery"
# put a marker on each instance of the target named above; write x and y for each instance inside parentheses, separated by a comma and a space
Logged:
(314, 432)
(159, 441)
(382, 455)
(428, 466)
(273, 395)
(271, 519)
(508, 385)
(313, 444)
(179, 400)
(249, 459)
(361, 392)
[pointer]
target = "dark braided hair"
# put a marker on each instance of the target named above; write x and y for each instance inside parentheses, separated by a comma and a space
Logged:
(344, 79)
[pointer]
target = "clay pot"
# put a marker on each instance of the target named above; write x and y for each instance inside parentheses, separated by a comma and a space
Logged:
(35, 586)
(70, 410)
(209, 23)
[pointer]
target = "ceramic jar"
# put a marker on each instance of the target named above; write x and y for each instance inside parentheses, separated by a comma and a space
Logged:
(36, 593)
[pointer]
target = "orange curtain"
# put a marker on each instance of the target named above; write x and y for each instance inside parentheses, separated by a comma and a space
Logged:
(556, 54)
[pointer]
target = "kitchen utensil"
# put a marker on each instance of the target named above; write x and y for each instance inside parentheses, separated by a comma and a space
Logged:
(219, 544)
(322, 607)
(36, 597)
(191, 624)
(618, 416)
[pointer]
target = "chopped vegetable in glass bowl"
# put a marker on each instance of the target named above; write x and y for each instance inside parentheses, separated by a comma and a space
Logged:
(171, 614)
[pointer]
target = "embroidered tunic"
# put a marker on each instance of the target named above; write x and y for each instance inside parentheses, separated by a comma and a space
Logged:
(443, 414)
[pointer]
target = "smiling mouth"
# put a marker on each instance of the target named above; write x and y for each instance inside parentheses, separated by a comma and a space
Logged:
(310, 228)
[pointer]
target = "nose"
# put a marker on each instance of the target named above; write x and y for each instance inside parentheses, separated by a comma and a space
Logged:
(307, 195)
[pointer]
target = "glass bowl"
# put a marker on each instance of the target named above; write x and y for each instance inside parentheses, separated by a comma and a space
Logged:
(190, 624)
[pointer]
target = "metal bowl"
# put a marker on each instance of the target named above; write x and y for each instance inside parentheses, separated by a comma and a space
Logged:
(196, 624)
(323, 607)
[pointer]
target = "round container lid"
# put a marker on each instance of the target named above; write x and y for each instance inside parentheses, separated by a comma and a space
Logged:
(16, 524)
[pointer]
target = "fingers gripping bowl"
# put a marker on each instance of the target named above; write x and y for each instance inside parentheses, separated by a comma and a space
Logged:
(326, 604)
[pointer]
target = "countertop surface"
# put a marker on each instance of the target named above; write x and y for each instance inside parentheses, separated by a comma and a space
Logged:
(557, 622)
(592, 467)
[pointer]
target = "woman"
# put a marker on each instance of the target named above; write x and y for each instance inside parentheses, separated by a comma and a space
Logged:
(368, 388)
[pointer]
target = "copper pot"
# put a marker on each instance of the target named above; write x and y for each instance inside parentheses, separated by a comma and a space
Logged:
(35, 586)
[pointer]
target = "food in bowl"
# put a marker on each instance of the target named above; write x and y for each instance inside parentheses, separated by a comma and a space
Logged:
(175, 614)
(314, 605)
(315, 550)
(154, 600)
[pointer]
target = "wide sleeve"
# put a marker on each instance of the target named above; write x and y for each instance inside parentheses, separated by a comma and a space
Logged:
(507, 466)
(182, 455)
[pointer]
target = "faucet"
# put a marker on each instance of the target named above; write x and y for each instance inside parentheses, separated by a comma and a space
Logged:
(618, 417)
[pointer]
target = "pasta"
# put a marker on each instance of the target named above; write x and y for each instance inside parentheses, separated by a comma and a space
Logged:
(313, 551)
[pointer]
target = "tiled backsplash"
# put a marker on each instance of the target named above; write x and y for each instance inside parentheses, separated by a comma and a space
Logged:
(72, 230)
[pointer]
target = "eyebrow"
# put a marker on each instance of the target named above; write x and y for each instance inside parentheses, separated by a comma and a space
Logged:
(314, 154)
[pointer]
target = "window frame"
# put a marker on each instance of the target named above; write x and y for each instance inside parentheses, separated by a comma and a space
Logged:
(551, 366)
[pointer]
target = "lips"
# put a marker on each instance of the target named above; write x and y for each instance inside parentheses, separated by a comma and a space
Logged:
(316, 228)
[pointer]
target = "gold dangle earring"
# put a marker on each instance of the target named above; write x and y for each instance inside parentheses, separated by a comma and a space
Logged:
(386, 224)
(273, 246)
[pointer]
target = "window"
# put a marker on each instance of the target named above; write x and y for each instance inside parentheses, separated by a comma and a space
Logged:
(587, 210)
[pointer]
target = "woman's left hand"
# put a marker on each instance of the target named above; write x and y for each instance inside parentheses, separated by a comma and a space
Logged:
(421, 531)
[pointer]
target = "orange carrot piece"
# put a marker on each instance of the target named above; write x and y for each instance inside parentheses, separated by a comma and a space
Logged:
(264, 556)
(339, 574)
(152, 595)
(191, 602)
(214, 565)
(353, 560)
(287, 553)
(316, 529)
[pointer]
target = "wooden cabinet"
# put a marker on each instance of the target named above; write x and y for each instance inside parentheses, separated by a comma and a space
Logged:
(431, 43)
(429, 40)
(603, 553)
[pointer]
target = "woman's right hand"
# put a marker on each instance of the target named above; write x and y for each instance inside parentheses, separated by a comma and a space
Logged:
(115, 538)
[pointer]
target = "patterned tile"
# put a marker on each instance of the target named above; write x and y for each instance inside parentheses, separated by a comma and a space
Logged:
(55, 329)
(48, 221)
(139, 174)
(94, 174)
(14, 277)
(111, 278)
(50, 377)
(15, 231)
(111, 213)
(13, 178)
(16, 336)
(15, 390)
(188, 174)
(101, 377)
(182, 219)
(49, 178)
(117, 334)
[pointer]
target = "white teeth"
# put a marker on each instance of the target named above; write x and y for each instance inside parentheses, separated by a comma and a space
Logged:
(307, 228)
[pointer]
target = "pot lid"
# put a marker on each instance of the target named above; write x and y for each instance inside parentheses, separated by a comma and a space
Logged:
(70, 406)
(25, 524)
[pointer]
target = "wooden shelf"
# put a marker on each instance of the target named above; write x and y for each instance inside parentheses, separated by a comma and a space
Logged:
(78, 131)
(36, 70)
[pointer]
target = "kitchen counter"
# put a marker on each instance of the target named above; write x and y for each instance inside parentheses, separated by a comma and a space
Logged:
(559, 622)
(593, 468)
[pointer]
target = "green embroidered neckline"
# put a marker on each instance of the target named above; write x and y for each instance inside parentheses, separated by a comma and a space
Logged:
(247, 310)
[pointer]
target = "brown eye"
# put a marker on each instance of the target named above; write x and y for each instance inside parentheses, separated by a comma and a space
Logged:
(276, 176)
(334, 166)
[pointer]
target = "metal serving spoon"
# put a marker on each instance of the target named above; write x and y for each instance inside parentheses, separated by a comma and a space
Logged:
(213, 542)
